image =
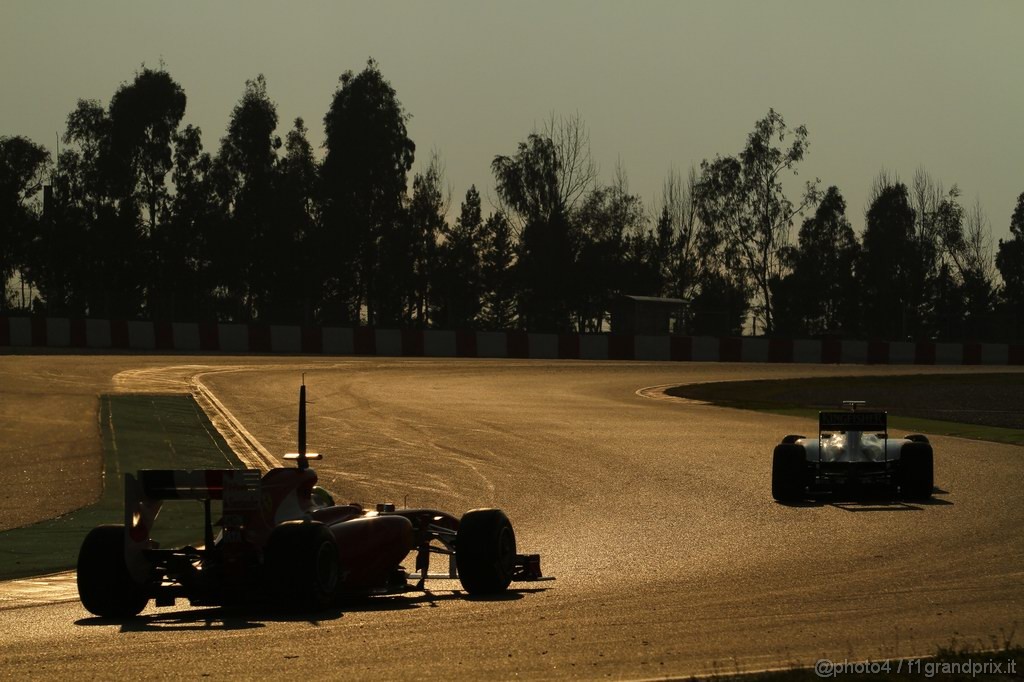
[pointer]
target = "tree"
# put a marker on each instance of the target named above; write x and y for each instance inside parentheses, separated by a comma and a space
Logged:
(887, 263)
(248, 249)
(135, 156)
(938, 234)
(540, 186)
(550, 174)
(364, 173)
(647, 253)
(1010, 262)
(183, 279)
(966, 241)
(949, 307)
(427, 213)
(820, 294)
(498, 273)
(59, 251)
(742, 198)
(297, 212)
(73, 240)
(94, 248)
(720, 305)
(616, 251)
(546, 274)
(678, 220)
(460, 276)
(950, 267)
(720, 301)
(96, 255)
(144, 117)
(23, 164)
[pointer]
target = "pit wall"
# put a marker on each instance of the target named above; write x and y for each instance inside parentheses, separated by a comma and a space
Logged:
(57, 333)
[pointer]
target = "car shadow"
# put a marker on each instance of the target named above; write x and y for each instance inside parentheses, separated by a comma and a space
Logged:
(430, 599)
(874, 505)
(213, 618)
(251, 617)
(867, 500)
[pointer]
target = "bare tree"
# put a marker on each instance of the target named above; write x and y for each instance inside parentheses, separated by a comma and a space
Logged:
(540, 188)
(678, 214)
(577, 171)
(550, 173)
(880, 184)
(930, 202)
(973, 252)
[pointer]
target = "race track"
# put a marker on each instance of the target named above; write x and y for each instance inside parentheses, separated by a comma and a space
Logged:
(654, 514)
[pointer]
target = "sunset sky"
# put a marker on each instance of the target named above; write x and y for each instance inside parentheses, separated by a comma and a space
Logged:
(893, 85)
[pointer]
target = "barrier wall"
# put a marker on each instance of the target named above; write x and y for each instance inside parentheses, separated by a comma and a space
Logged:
(56, 333)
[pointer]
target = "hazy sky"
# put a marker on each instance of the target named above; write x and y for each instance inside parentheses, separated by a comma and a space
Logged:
(894, 85)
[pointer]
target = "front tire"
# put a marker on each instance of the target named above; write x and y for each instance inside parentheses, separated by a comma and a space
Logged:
(302, 565)
(917, 471)
(105, 586)
(789, 472)
(485, 551)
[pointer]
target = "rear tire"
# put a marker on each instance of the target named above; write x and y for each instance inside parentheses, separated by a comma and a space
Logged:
(105, 586)
(789, 472)
(792, 438)
(302, 566)
(485, 551)
(917, 471)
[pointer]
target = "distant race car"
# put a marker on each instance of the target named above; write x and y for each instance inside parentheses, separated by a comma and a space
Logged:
(853, 448)
(282, 540)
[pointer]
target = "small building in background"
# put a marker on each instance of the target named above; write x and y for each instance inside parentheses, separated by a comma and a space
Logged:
(647, 315)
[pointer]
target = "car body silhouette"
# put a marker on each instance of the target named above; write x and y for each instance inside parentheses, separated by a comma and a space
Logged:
(280, 539)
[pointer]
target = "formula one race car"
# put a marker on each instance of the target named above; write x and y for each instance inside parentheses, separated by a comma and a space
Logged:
(853, 448)
(283, 540)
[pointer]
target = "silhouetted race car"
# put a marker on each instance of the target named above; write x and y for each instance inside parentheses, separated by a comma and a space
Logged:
(853, 448)
(282, 540)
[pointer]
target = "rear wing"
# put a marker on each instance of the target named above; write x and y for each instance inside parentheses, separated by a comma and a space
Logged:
(853, 421)
(144, 495)
(230, 485)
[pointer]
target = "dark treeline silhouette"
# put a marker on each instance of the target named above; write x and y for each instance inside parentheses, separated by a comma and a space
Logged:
(135, 219)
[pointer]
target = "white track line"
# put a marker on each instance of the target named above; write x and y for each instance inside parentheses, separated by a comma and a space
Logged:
(243, 443)
(61, 587)
(54, 588)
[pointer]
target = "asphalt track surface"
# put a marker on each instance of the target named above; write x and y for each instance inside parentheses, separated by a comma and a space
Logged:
(654, 514)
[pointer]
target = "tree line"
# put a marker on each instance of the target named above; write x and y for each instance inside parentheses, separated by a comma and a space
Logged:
(134, 218)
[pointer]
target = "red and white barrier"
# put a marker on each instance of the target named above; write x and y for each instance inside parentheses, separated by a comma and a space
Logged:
(25, 332)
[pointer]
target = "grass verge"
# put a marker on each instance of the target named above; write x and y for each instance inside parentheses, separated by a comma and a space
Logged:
(982, 407)
(931, 427)
(139, 432)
